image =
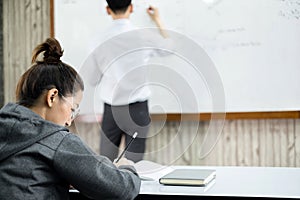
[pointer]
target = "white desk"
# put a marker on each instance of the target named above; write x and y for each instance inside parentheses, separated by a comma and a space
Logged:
(267, 182)
(230, 182)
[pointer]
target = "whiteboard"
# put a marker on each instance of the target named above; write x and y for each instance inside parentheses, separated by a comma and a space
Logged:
(252, 46)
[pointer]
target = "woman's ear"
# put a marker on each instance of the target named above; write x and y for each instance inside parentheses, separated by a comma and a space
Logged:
(51, 96)
(131, 8)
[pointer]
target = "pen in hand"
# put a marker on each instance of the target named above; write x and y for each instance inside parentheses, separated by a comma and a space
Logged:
(133, 137)
(151, 10)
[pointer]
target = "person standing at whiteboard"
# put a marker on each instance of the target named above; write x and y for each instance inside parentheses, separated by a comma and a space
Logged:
(119, 66)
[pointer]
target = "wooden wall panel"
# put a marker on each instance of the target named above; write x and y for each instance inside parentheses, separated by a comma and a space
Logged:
(297, 142)
(290, 143)
(26, 23)
(1, 57)
(274, 143)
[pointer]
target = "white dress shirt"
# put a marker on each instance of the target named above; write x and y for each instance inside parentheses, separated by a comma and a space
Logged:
(119, 62)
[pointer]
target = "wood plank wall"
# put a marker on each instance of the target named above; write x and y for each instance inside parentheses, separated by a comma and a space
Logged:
(268, 142)
(261, 142)
(1, 58)
(26, 23)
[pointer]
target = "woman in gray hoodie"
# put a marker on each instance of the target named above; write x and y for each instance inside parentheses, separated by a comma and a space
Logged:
(39, 157)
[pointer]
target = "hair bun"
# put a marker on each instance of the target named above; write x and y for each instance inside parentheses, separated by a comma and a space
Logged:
(52, 57)
(52, 51)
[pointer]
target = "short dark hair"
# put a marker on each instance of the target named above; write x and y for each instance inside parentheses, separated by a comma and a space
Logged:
(118, 6)
(47, 74)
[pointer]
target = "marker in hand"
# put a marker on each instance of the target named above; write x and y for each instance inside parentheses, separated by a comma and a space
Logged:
(151, 10)
(133, 137)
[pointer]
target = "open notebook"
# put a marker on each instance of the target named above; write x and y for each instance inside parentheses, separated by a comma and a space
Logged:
(149, 170)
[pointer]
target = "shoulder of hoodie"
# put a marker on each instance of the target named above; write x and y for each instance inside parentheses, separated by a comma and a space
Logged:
(54, 140)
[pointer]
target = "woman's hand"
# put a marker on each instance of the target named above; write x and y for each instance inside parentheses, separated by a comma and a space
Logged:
(123, 161)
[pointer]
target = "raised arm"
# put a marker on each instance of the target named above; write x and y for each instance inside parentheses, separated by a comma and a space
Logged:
(154, 15)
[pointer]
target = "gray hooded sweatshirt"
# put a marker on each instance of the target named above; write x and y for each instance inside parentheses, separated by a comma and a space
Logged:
(39, 160)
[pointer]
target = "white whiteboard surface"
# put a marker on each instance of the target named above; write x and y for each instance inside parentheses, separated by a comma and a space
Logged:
(254, 44)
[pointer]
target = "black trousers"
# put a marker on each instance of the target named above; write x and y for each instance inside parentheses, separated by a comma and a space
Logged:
(125, 120)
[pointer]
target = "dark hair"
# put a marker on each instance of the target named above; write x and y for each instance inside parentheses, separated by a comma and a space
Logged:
(48, 73)
(118, 6)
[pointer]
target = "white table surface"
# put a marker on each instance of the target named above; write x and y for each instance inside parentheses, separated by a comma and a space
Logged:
(275, 182)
